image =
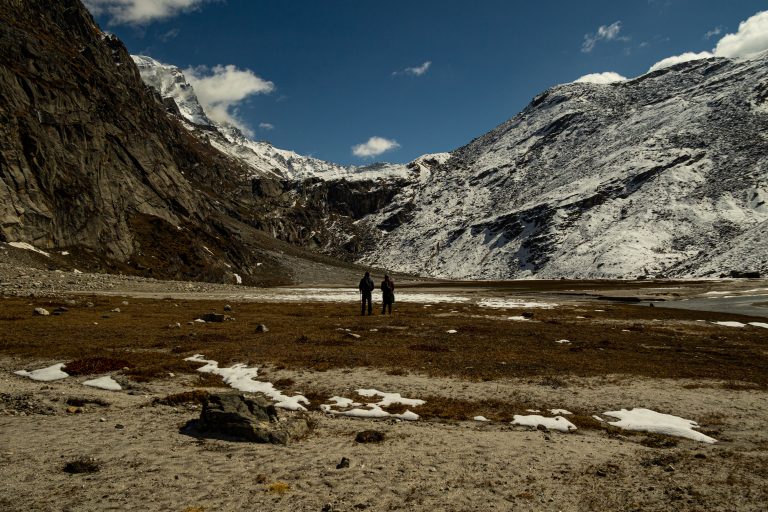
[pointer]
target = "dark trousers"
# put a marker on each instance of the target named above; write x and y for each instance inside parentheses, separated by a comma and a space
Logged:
(366, 298)
(385, 306)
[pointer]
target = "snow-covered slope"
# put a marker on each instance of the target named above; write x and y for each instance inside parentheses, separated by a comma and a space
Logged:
(261, 157)
(666, 173)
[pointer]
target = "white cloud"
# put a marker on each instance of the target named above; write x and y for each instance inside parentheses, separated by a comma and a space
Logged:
(751, 38)
(140, 12)
(607, 77)
(604, 33)
(221, 89)
(266, 126)
(374, 147)
(415, 71)
(678, 59)
(714, 32)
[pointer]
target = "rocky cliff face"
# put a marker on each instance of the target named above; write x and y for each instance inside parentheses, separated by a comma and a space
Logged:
(663, 174)
(90, 162)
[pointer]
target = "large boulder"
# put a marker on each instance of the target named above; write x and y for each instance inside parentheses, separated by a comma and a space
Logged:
(235, 416)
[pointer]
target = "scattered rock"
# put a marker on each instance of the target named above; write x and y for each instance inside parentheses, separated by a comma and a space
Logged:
(177, 325)
(352, 335)
(262, 328)
(233, 416)
(116, 310)
(73, 409)
(527, 314)
(41, 312)
(119, 426)
(82, 465)
(227, 308)
(212, 317)
(343, 464)
(369, 436)
(124, 303)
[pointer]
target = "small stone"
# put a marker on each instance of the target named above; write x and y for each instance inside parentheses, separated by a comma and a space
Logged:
(103, 420)
(41, 312)
(227, 307)
(74, 410)
(369, 436)
(89, 304)
(116, 310)
(343, 464)
(213, 317)
(352, 335)
(124, 303)
(262, 328)
(119, 426)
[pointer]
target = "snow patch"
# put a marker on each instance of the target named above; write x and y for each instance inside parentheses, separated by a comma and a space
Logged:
(730, 324)
(242, 378)
(646, 420)
(106, 382)
(534, 420)
(28, 247)
(50, 373)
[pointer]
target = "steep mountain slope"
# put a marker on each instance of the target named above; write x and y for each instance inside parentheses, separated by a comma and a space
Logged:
(667, 173)
(90, 163)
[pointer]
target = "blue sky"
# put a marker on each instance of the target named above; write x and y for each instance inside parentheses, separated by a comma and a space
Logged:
(321, 77)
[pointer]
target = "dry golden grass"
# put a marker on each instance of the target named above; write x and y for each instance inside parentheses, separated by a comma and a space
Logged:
(313, 336)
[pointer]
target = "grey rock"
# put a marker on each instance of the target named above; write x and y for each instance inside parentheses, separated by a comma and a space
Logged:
(262, 328)
(212, 317)
(248, 419)
(41, 312)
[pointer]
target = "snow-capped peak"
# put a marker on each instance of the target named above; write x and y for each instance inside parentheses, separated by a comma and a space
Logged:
(170, 82)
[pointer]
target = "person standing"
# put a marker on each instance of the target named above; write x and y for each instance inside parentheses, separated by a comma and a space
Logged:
(388, 294)
(366, 287)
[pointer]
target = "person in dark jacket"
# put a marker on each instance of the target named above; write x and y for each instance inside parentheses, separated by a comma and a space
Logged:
(366, 288)
(388, 294)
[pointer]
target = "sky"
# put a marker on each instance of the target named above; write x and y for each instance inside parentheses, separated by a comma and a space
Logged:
(358, 81)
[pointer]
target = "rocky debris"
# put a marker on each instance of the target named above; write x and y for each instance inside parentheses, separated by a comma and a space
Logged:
(72, 409)
(116, 310)
(212, 317)
(233, 416)
(343, 464)
(41, 312)
(352, 335)
(262, 328)
(227, 308)
(369, 436)
(24, 404)
(82, 465)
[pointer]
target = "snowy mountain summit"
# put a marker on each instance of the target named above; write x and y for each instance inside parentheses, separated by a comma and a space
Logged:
(261, 157)
(664, 174)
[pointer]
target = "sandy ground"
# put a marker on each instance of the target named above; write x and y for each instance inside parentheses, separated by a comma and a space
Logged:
(150, 465)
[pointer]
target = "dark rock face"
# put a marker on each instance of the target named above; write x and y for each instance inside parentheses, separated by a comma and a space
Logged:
(248, 419)
(89, 160)
(320, 214)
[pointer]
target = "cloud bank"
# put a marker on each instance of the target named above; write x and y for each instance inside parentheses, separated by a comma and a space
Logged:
(750, 39)
(607, 77)
(140, 12)
(221, 89)
(374, 147)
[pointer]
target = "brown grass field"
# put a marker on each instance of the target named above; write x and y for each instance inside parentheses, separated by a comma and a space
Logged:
(623, 340)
